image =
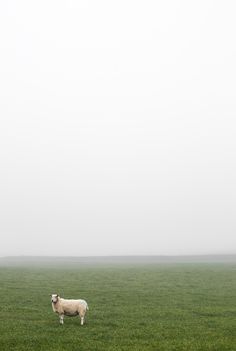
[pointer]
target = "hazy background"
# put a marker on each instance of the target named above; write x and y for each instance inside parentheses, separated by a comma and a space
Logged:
(117, 131)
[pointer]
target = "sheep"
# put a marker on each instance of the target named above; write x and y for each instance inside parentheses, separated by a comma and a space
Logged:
(65, 307)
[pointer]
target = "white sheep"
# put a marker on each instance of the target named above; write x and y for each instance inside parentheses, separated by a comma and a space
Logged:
(65, 307)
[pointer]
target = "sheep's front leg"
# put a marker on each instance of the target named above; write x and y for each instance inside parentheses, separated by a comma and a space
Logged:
(61, 318)
(82, 320)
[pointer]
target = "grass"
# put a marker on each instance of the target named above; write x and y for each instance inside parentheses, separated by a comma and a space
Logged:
(140, 307)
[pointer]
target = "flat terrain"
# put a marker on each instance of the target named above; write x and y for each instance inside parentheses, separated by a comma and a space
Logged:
(157, 306)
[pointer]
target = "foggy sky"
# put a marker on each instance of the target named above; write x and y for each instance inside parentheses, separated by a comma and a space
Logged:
(117, 131)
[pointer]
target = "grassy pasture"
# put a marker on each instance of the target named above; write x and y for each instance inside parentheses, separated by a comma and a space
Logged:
(132, 307)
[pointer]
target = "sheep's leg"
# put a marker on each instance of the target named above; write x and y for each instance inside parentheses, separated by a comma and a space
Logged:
(61, 319)
(82, 320)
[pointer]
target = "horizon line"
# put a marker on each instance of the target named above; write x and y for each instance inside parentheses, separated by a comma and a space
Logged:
(125, 255)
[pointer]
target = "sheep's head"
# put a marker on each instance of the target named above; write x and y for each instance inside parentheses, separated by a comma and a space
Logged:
(54, 298)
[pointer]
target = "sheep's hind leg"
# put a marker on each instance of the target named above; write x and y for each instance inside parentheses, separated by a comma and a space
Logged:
(61, 319)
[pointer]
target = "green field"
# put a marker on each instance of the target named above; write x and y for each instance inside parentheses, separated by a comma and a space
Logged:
(132, 307)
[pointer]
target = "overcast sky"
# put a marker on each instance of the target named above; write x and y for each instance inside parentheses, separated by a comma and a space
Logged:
(118, 127)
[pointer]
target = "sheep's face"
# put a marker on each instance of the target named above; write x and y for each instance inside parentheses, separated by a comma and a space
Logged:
(54, 298)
